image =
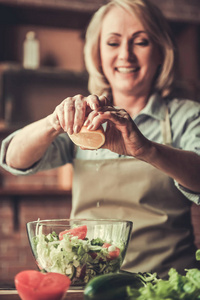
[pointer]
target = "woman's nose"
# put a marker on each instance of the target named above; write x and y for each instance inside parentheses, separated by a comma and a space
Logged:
(126, 52)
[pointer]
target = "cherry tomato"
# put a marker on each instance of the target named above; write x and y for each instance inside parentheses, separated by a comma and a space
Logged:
(112, 254)
(80, 232)
(34, 285)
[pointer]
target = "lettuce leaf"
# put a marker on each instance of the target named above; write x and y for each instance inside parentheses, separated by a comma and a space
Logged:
(177, 287)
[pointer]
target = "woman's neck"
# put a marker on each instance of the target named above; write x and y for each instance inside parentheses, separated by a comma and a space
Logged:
(131, 103)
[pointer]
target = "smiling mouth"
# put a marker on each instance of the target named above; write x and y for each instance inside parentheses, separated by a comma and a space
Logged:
(124, 70)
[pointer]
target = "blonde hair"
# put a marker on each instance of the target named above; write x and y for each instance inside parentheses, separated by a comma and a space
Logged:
(158, 30)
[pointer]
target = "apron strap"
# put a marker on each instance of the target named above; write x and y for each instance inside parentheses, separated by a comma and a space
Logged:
(166, 129)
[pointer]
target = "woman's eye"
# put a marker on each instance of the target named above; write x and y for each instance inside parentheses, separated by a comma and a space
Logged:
(142, 42)
(113, 44)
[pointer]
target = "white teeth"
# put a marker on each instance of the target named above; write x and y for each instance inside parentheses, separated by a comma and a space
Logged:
(127, 70)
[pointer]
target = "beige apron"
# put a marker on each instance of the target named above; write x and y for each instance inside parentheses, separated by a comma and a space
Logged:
(129, 189)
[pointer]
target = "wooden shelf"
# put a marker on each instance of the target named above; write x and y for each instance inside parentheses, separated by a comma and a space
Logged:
(16, 195)
(77, 13)
(75, 5)
(44, 73)
(66, 14)
(54, 191)
(44, 87)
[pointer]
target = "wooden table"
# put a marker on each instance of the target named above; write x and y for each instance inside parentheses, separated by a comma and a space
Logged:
(13, 295)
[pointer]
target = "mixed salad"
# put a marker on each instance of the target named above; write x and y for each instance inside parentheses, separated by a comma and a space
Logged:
(71, 253)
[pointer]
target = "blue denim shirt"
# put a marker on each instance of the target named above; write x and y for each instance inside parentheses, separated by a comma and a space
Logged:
(185, 131)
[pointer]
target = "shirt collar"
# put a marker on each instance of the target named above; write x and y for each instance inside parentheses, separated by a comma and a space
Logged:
(155, 107)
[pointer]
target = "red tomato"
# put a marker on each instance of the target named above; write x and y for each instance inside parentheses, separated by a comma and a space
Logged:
(112, 254)
(92, 254)
(81, 272)
(80, 232)
(33, 285)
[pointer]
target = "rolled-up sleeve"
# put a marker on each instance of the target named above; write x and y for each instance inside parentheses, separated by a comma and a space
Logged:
(58, 153)
(190, 141)
(194, 197)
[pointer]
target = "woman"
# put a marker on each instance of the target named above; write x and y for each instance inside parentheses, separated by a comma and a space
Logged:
(148, 169)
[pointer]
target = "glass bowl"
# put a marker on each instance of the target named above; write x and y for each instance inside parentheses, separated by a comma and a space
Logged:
(79, 248)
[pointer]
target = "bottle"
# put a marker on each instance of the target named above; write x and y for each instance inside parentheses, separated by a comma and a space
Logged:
(31, 49)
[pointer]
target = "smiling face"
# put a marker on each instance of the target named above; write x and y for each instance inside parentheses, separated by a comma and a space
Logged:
(129, 58)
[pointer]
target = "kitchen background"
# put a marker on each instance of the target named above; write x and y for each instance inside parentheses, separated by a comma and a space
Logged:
(29, 94)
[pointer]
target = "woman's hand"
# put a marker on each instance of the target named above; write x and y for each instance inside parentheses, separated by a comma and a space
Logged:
(29, 145)
(72, 113)
(122, 135)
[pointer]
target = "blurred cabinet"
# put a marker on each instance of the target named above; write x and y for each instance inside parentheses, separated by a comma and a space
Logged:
(41, 13)
(28, 95)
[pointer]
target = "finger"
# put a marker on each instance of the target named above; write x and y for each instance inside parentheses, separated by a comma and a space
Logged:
(96, 118)
(90, 118)
(104, 101)
(93, 102)
(69, 110)
(80, 110)
(117, 117)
